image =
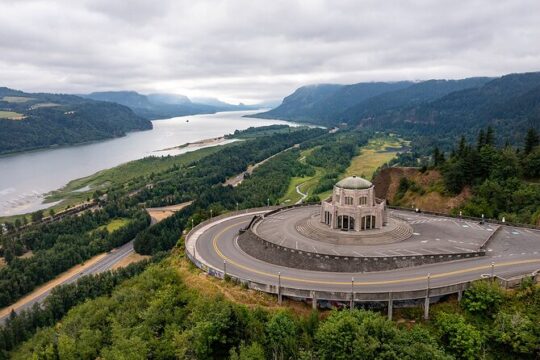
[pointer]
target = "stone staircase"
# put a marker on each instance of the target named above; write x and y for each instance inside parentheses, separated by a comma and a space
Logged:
(312, 229)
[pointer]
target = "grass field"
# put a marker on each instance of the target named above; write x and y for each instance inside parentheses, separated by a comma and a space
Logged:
(376, 153)
(11, 115)
(16, 99)
(114, 225)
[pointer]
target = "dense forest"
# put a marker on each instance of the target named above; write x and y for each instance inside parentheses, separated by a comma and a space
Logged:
(52, 119)
(504, 179)
(157, 315)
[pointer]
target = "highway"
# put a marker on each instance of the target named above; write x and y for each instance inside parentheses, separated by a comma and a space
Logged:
(215, 245)
(104, 262)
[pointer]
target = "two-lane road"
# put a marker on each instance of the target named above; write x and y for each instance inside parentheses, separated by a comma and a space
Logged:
(96, 265)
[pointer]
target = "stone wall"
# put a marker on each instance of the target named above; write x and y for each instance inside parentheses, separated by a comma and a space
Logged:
(269, 252)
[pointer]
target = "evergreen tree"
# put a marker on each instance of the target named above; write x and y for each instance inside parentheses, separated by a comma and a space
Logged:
(462, 146)
(490, 137)
(481, 139)
(531, 140)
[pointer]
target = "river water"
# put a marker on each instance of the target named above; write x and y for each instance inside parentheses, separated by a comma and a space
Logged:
(26, 177)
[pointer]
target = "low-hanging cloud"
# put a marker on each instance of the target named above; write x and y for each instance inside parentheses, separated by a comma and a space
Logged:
(258, 50)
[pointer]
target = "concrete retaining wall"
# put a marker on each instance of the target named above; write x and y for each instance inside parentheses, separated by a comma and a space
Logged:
(269, 252)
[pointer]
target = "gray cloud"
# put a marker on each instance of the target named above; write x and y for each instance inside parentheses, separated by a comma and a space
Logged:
(251, 51)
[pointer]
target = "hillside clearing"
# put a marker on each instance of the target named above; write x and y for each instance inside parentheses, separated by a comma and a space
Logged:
(16, 99)
(114, 225)
(376, 153)
(11, 115)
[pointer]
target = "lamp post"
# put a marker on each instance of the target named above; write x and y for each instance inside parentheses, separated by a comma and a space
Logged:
(426, 302)
(237, 206)
(268, 202)
(492, 270)
(192, 223)
(224, 269)
(352, 294)
(279, 287)
(211, 213)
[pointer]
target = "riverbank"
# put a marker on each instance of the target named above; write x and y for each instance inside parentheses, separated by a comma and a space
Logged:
(200, 143)
(132, 175)
(34, 174)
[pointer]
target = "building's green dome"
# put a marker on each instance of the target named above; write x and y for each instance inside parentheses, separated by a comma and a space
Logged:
(354, 183)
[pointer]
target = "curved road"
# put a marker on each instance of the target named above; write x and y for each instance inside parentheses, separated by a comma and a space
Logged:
(215, 243)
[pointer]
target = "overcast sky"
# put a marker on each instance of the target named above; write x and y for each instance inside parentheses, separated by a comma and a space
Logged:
(258, 50)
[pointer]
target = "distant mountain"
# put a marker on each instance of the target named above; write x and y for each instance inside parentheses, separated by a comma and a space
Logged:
(223, 106)
(162, 106)
(322, 104)
(155, 106)
(35, 120)
(171, 99)
(445, 107)
(298, 106)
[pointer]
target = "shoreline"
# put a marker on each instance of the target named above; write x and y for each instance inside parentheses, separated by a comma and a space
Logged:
(198, 143)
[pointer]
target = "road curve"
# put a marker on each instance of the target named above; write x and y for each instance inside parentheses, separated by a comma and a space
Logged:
(215, 245)
(103, 264)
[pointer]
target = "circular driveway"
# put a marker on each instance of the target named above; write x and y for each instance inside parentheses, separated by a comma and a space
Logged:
(515, 251)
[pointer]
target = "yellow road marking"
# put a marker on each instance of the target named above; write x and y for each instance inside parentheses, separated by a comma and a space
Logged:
(380, 282)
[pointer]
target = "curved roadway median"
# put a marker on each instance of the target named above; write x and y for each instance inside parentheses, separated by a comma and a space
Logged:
(213, 246)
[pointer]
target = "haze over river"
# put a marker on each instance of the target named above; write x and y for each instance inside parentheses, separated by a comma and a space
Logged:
(26, 177)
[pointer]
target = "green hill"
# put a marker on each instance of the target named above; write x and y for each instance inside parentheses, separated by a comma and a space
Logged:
(45, 120)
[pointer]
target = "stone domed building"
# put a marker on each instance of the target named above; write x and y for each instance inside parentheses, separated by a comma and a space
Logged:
(353, 206)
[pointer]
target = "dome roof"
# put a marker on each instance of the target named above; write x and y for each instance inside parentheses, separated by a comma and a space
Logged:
(354, 182)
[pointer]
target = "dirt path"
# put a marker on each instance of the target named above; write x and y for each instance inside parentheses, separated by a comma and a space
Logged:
(304, 196)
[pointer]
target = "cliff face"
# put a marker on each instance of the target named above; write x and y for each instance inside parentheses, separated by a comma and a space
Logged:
(425, 191)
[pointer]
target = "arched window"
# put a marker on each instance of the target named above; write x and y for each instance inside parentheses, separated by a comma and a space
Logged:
(348, 200)
(367, 222)
(345, 222)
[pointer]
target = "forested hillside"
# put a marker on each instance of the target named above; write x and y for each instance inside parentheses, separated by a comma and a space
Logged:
(510, 105)
(431, 111)
(478, 178)
(31, 121)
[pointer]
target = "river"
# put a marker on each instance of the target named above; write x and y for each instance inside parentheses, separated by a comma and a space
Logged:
(26, 177)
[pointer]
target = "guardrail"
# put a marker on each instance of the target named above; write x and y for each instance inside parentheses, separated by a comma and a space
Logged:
(427, 293)
(465, 217)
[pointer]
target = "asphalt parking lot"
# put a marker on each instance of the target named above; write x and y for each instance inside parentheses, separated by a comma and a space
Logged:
(431, 235)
